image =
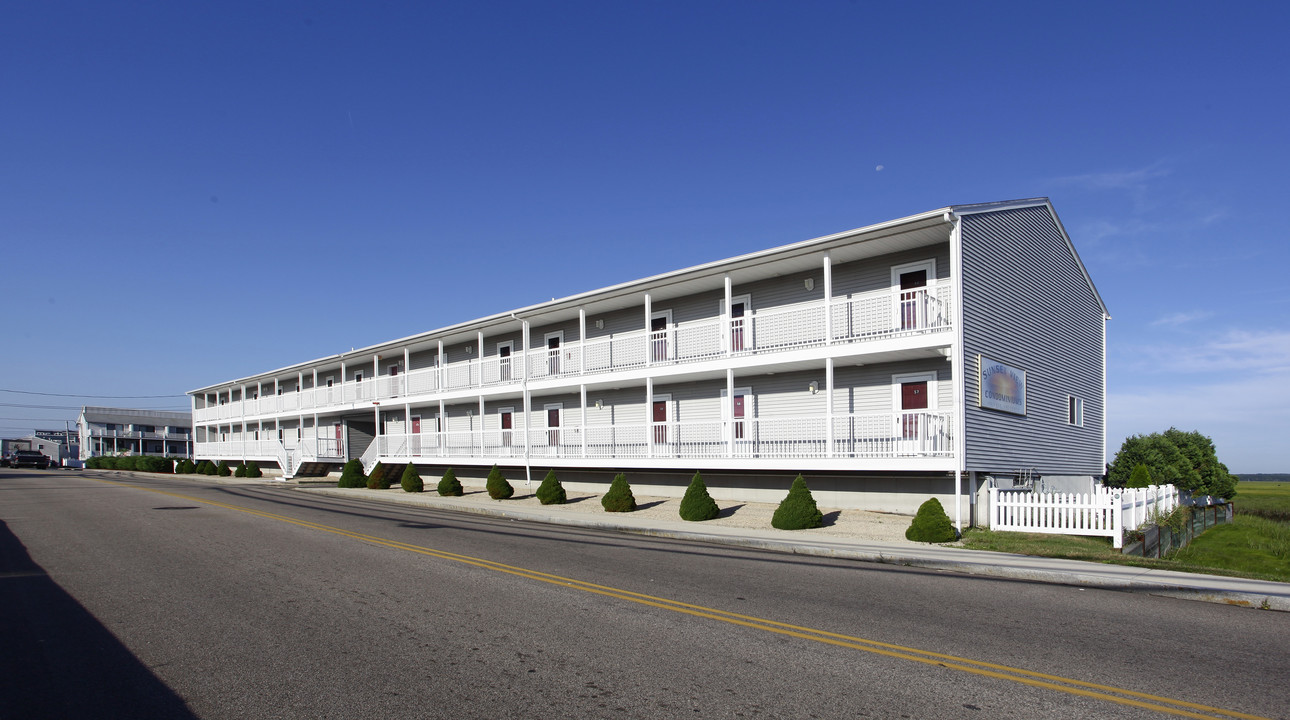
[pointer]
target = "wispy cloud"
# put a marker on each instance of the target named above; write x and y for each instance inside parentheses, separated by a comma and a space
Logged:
(1236, 414)
(1182, 318)
(1237, 351)
(1117, 179)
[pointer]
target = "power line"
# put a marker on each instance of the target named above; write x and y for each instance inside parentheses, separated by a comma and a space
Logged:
(176, 408)
(97, 397)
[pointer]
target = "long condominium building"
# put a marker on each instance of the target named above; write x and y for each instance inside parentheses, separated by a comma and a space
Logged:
(925, 356)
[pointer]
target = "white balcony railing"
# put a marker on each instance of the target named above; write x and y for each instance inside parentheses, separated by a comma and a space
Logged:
(859, 318)
(916, 434)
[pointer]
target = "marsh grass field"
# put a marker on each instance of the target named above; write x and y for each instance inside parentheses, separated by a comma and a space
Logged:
(1255, 545)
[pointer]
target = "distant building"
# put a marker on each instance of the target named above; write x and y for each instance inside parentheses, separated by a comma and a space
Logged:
(124, 431)
(51, 444)
(927, 356)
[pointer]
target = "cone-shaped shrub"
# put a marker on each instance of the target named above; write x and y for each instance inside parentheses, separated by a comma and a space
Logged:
(352, 476)
(253, 470)
(1141, 477)
(410, 481)
(931, 524)
(199, 469)
(450, 485)
(697, 504)
(377, 480)
(619, 498)
(223, 469)
(211, 469)
(551, 492)
(797, 511)
(239, 470)
(498, 487)
(184, 467)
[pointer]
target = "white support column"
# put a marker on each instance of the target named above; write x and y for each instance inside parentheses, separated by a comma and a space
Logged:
(649, 414)
(828, 298)
(828, 405)
(442, 372)
(958, 501)
(528, 410)
(729, 410)
(582, 346)
(479, 360)
(649, 336)
(582, 431)
(441, 429)
(524, 362)
(341, 385)
(481, 424)
(727, 328)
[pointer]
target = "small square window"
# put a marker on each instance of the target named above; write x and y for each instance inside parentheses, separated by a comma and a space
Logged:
(1074, 411)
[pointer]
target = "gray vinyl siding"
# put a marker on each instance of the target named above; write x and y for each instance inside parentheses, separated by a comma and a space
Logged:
(624, 406)
(875, 273)
(422, 359)
(779, 292)
(868, 389)
(618, 321)
(1027, 304)
(537, 334)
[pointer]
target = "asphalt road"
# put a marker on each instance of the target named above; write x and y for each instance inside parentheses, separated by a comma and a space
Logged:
(143, 597)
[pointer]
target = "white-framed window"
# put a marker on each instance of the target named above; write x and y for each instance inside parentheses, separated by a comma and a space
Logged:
(1074, 411)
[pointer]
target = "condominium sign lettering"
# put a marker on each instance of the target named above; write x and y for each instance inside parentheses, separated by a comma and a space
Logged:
(1003, 387)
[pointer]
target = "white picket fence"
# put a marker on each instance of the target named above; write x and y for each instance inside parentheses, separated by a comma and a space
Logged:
(1105, 512)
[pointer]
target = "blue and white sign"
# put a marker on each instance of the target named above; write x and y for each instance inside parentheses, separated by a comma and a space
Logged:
(1003, 387)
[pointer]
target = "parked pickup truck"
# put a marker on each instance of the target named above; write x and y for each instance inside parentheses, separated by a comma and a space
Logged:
(29, 458)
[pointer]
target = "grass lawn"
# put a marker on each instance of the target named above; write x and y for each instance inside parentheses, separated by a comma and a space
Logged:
(1256, 545)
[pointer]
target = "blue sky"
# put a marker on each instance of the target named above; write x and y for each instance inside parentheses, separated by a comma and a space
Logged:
(193, 192)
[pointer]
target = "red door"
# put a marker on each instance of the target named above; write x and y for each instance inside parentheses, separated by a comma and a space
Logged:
(736, 327)
(658, 338)
(660, 421)
(737, 411)
(553, 427)
(913, 400)
(508, 427)
(911, 298)
(336, 451)
(416, 435)
(553, 355)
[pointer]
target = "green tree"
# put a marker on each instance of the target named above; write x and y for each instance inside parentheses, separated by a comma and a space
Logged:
(551, 492)
(352, 476)
(239, 470)
(1140, 478)
(253, 470)
(797, 511)
(619, 498)
(698, 505)
(450, 485)
(411, 480)
(498, 487)
(223, 469)
(1214, 478)
(377, 480)
(931, 524)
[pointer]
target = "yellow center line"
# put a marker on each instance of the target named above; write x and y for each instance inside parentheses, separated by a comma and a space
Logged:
(977, 667)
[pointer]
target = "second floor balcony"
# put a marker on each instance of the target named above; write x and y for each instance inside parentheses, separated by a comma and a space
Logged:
(860, 318)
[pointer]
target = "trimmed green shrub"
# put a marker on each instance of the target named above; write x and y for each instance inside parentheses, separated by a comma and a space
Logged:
(619, 498)
(1141, 476)
(449, 485)
(211, 468)
(411, 480)
(931, 524)
(223, 469)
(797, 511)
(352, 476)
(186, 467)
(253, 470)
(377, 480)
(498, 487)
(698, 505)
(239, 470)
(551, 492)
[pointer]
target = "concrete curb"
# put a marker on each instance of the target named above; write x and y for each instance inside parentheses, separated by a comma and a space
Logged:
(1208, 588)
